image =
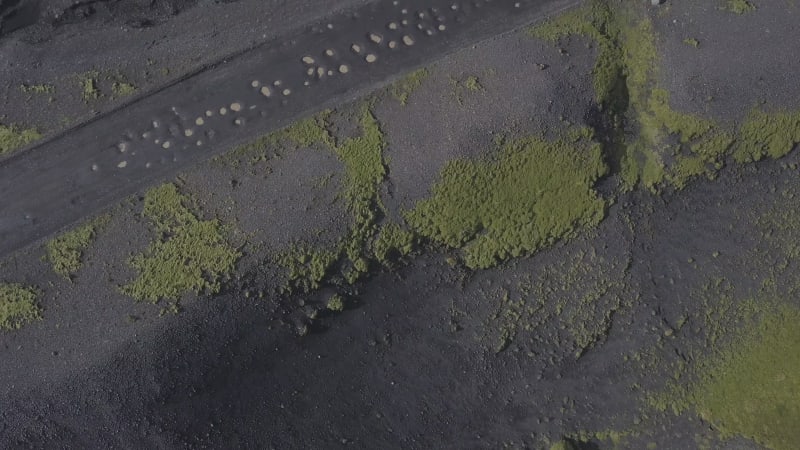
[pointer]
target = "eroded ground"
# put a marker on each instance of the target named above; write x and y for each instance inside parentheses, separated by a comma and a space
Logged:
(578, 235)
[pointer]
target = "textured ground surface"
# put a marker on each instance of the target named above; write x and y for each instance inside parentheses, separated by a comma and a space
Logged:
(587, 338)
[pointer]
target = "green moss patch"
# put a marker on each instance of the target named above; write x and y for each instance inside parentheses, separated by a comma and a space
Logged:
(39, 89)
(122, 88)
(307, 267)
(392, 242)
(13, 137)
(367, 240)
(739, 6)
(310, 131)
(579, 291)
(692, 42)
(593, 21)
(773, 135)
(402, 89)
(534, 193)
(305, 133)
(462, 87)
(336, 303)
(190, 255)
(669, 147)
(18, 306)
(753, 389)
(65, 251)
(89, 88)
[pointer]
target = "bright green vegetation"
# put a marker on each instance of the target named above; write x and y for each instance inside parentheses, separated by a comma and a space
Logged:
(122, 89)
(403, 88)
(739, 6)
(336, 303)
(190, 255)
(18, 306)
(306, 267)
(753, 389)
(37, 88)
(762, 134)
(13, 137)
(692, 42)
(65, 251)
(534, 193)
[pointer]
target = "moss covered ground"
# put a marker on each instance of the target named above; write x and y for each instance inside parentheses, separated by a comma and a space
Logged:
(668, 147)
(18, 306)
(89, 88)
(534, 193)
(567, 303)
(763, 134)
(13, 137)
(122, 89)
(189, 255)
(39, 89)
(753, 388)
(306, 267)
(743, 377)
(739, 6)
(367, 240)
(65, 251)
(402, 89)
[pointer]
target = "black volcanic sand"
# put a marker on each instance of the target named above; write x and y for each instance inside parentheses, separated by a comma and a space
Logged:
(429, 355)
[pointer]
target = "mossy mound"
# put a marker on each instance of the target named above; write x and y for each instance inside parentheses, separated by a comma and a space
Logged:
(336, 303)
(773, 135)
(65, 251)
(307, 267)
(393, 242)
(534, 193)
(18, 306)
(190, 256)
(13, 137)
(754, 388)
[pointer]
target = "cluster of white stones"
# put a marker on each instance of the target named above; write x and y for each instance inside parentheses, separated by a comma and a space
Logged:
(398, 33)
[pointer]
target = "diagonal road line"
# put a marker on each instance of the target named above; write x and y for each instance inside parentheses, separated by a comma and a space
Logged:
(53, 184)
